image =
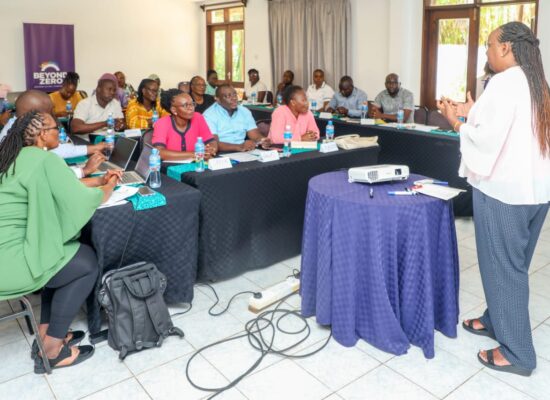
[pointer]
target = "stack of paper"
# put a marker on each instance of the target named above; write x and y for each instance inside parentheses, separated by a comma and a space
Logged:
(242, 156)
(118, 196)
(438, 191)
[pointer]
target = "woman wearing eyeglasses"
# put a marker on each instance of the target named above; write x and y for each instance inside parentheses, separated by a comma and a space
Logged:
(44, 207)
(202, 100)
(176, 134)
(139, 114)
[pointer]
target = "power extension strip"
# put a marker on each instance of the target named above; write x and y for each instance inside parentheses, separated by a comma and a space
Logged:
(273, 294)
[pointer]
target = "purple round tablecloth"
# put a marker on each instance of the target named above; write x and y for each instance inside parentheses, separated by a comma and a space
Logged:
(384, 269)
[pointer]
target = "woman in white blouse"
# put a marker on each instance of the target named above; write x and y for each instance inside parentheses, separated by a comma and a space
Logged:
(505, 146)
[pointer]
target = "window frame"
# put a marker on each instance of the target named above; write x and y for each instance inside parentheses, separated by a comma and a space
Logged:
(429, 54)
(228, 27)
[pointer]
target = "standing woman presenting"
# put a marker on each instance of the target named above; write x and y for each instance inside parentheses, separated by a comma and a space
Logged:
(505, 148)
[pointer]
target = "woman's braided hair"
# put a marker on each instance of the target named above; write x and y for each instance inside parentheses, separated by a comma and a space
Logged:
(23, 133)
(525, 47)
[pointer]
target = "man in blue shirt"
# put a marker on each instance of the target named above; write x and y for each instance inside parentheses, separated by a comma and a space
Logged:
(233, 124)
(348, 100)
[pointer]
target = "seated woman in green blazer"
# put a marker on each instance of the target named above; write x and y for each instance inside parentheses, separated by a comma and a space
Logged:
(44, 206)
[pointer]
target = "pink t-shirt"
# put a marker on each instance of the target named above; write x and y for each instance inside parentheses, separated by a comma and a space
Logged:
(282, 116)
(166, 133)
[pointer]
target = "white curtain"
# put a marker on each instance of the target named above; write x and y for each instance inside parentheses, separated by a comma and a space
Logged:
(309, 34)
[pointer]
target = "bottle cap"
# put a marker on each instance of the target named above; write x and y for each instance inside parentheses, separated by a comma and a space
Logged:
(287, 128)
(155, 151)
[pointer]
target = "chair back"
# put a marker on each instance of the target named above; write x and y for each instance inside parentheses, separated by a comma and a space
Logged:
(421, 115)
(83, 93)
(263, 126)
(268, 97)
(435, 118)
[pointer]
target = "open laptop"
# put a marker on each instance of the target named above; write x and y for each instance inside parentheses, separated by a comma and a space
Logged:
(141, 173)
(124, 148)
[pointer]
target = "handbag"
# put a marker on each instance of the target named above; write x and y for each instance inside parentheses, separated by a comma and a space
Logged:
(137, 314)
(354, 141)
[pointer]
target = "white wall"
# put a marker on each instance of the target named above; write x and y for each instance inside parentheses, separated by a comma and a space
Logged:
(369, 45)
(168, 37)
(139, 38)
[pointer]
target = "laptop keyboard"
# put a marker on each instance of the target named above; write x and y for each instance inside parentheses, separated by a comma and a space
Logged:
(131, 177)
(106, 165)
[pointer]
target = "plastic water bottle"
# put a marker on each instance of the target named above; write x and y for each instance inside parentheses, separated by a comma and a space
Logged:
(313, 106)
(287, 136)
(154, 169)
(110, 122)
(364, 111)
(62, 135)
(253, 98)
(155, 117)
(400, 117)
(110, 140)
(69, 108)
(199, 155)
(280, 99)
(329, 131)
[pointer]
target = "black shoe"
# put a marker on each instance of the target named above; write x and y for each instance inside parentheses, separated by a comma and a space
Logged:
(85, 353)
(76, 339)
(481, 332)
(512, 369)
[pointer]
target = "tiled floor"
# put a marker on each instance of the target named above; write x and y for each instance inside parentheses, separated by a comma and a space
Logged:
(335, 373)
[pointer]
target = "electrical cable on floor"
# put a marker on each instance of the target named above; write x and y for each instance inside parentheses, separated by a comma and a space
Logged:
(256, 337)
(182, 312)
(210, 312)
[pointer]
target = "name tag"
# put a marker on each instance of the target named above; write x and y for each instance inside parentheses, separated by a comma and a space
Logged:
(328, 147)
(304, 145)
(325, 115)
(367, 121)
(216, 164)
(269, 155)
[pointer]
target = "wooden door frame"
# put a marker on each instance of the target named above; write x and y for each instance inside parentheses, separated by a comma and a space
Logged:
(429, 50)
(228, 27)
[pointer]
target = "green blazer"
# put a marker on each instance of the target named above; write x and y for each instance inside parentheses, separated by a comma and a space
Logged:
(43, 208)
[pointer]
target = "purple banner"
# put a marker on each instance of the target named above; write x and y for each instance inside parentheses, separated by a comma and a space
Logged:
(49, 55)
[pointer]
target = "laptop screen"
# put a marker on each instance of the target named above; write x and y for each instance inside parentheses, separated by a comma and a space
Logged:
(122, 152)
(142, 166)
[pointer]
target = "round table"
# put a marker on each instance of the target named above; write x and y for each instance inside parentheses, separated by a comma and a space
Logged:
(383, 269)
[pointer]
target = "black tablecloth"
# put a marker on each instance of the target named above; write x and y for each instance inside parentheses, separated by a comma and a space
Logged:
(166, 236)
(252, 215)
(433, 155)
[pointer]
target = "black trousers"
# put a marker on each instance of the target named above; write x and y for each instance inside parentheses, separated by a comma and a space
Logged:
(65, 293)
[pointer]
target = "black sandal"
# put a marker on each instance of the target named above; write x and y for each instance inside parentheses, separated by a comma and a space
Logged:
(76, 339)
(85, 353)
(490, 363)
(481, 332)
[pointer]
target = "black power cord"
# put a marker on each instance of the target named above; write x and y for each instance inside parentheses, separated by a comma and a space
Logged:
(256, 295)
(256, 336)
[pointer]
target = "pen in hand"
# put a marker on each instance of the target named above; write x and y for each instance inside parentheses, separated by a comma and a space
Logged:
(371, 193)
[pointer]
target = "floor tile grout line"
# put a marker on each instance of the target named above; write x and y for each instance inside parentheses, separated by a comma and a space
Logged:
(105, 388)
(445, 351)
(467, 380)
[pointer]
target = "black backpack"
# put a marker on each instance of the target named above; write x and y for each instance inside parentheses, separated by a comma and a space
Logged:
(137, 314)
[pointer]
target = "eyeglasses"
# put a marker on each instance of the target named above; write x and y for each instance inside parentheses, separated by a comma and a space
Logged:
(189, 106)
(50, 128)
(199, 84)
(152, 90)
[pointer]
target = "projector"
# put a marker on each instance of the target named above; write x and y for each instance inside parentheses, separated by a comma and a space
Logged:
(378, 173)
